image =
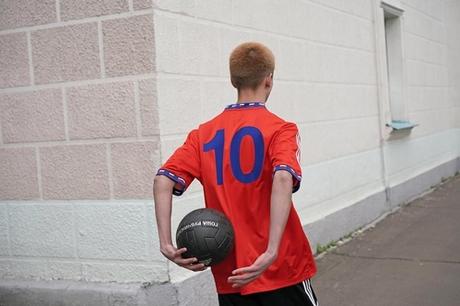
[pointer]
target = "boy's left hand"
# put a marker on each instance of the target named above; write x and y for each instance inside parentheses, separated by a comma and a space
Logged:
(245, 275)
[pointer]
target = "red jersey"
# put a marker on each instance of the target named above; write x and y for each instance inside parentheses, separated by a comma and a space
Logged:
(234, 156)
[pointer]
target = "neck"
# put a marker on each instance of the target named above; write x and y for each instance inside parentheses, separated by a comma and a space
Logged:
(246, 95)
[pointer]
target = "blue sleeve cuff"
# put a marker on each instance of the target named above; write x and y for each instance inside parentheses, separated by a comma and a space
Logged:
(297, 176)
(176, 179)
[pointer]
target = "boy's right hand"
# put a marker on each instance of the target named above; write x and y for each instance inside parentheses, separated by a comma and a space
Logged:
(175, 255)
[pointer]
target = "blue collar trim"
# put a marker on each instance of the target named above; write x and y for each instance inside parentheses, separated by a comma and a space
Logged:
(245, 105)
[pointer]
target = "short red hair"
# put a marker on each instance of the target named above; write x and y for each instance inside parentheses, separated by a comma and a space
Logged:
(250, 63)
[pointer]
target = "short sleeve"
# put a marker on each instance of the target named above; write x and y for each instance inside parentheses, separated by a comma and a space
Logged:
(183, 166)
(284, 152)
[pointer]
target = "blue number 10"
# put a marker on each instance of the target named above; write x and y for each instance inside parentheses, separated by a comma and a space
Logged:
(217, 144)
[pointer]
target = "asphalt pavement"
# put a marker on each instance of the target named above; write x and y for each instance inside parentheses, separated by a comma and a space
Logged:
(411, 257)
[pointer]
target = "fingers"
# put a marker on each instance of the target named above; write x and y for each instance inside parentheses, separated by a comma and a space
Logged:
(241, 284)
(196, 267)
(172, 253)
(243, 276)
(175, 255)
(241, 280)
(179, 252)
(185, 261)
(179, 260)
(190, 263)
(248, 269)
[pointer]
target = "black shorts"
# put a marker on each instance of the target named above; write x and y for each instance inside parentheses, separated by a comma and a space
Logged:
(300, 294)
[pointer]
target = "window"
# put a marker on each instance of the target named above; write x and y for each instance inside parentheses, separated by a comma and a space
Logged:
(394, 65)
(394, 61)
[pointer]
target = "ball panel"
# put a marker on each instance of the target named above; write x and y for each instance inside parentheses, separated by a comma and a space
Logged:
(207, 234)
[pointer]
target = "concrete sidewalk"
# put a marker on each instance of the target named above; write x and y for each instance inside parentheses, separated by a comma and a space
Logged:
(412, 257)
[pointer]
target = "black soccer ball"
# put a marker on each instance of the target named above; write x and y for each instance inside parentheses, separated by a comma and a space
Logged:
(207, 234)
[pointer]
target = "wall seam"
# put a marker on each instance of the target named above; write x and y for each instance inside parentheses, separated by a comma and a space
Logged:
(77, 83)
(52, 25)
(29, 55)
(75, 236)
(187, 18)
(65, 113)
(39, 172)
(100, 38)
(8, 230)
(213, 77)
(339, 10)
(426, 62)
(137, 110)
(58, 10)
(160, 136)
(1, 132)
(109, 169)
(421, 12)
(424, 37)
(42, 259)
(52, 143)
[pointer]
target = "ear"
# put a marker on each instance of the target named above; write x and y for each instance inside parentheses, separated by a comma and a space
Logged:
(269, 81)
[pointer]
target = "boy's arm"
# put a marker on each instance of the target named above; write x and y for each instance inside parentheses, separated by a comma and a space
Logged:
(162, 193)
(280, 206)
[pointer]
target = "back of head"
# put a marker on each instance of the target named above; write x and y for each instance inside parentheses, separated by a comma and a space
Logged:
(250, 63)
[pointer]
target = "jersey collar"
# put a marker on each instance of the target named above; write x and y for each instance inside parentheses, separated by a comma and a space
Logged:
(245, 105)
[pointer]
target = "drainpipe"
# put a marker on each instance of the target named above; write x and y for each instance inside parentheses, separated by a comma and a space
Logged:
(382, 93)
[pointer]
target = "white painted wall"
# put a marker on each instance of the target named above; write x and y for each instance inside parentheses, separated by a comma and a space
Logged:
(326, 80)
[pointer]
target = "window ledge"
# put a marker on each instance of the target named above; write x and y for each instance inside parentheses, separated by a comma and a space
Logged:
(401, 125)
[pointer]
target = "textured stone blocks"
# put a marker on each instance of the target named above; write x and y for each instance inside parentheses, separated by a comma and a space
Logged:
(361, 8)
(148, 107)
(32, 116)
(134, 166)
(216, 95)
(128, 45)
(180, 105)
(203, 57)
(250, 14)
(14, 60)
(102, 110)
(21, 13)
(71, 9)
(338, 101)
(142, 4)
(207, 9)
(126, 272)
(24, 269)
(214, 10)
(423, 25)
(180, 6)
(337, 28)
(4, 246)
(167, 44)
(327, 63)
(426, 74)
(338, 138)
(422, 49)
(74, 172)
(116, 231)
(291, 61)
(41, 230)
(64, 269)
(66, 53)
(18, 174)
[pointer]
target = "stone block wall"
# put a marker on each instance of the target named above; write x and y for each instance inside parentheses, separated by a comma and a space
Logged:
(79, 141)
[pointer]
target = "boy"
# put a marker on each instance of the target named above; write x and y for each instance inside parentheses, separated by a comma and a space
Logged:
(247, 160)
